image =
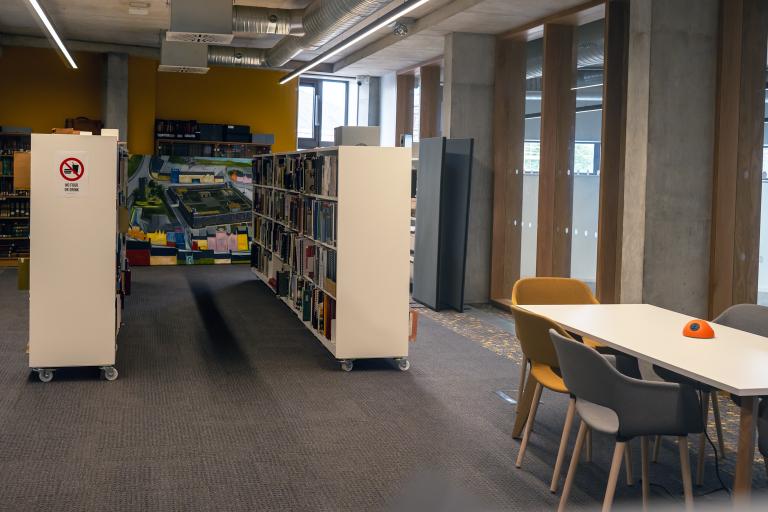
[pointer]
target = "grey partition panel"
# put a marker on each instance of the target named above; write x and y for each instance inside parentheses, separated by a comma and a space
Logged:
(427, 246)
(454, 220)
(442, 211)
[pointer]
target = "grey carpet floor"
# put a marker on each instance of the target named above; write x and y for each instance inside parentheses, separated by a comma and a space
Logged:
(226, 402)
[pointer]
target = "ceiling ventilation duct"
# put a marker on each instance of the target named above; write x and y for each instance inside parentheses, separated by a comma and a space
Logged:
(236, 57)
(323, 20)
(201, 21)
(183, 57)
(261, 20)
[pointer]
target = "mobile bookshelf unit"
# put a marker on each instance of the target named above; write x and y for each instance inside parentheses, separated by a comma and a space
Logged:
(78, 272)
(331, 238)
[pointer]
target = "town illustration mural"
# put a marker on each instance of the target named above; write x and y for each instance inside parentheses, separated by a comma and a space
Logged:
(188, 210)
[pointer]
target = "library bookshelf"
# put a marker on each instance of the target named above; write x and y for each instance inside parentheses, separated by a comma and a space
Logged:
(78, 276)
(331, 238)
(14, 197)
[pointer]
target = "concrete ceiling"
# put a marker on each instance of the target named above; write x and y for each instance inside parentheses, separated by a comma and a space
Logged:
(108, 21)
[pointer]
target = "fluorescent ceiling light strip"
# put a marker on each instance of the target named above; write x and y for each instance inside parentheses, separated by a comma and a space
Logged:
(52, 32)
(392, 16)
(585, 87)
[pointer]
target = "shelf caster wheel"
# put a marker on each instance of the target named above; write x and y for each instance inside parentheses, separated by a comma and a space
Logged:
(109, 373)
(403, 364)
(45, 375)
(347, 365)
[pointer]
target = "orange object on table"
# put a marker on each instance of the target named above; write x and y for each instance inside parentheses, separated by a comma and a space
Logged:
(698, 329)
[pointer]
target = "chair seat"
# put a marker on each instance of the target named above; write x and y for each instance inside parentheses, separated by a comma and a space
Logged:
(598, 417)
(547, 377)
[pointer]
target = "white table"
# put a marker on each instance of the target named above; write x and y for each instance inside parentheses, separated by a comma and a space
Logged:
(734, 361)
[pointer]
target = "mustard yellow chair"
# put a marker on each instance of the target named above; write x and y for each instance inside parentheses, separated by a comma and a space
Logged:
(533, 333)
(546, 290)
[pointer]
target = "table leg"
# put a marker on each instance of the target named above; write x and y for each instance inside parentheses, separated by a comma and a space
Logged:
(745, 452)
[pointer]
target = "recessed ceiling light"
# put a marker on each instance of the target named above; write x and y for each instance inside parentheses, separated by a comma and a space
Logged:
(138, 8)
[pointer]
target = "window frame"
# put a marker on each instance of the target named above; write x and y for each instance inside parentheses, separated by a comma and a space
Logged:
(316, 140)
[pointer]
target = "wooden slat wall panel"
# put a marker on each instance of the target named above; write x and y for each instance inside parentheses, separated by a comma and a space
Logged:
(558, 110)
(429, 101)
(404, 106)
(612, 152)
(508, 138)
(735, 238)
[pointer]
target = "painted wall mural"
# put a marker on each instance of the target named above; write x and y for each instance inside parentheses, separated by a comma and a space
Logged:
(187, 210)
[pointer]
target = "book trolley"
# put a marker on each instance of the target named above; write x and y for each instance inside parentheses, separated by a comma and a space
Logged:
(331, 238)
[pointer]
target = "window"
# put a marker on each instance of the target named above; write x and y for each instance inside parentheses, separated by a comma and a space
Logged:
(416, 110)
(586, 158)
(323, 105)
(531, 156)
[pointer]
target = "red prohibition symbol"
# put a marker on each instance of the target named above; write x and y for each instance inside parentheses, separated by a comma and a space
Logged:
(72, 169)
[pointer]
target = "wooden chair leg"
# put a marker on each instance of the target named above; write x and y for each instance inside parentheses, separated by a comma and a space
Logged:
(644, 470)
(685, 470)
(613, 476)
(702, 439)
(718, 425)
(563, 445)
(529, 424)
(656, 446)
(588, 450)
(628, 464)
(523, 375)
(572, 467)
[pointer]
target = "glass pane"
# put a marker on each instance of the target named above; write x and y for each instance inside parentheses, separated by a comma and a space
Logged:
(762, 273)
(334, 108)
(531, 157)
(306, 125)
(586, 152)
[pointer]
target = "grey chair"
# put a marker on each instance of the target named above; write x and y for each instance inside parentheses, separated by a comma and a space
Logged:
(751, 318)
(624, 407)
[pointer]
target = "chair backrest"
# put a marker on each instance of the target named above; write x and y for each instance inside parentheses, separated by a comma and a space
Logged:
(586, 373)
(745, 317)
(552, 290)
(762, 428)
(533, 332)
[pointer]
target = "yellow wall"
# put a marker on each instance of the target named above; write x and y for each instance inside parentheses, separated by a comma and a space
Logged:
(233, 96)
(38, 90)
(142, 92)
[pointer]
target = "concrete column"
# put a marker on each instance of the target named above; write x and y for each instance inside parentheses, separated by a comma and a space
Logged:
(467, 112)
(672, 63)
(115, 97)
(368, 100)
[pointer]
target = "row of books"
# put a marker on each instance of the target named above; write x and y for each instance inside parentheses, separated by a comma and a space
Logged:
(6, 166)
(14, 229)
(9, 145)
(6, 187)
(314, 305)
(14, 208)
(305, 173)
(311, 217)
(174, 129)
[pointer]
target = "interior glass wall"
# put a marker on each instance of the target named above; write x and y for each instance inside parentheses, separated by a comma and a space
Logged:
(531, 150)
(762, 276)
(588, 84)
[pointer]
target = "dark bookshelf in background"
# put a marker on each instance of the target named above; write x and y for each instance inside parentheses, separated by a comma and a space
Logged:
(190, 138)
(14, 194)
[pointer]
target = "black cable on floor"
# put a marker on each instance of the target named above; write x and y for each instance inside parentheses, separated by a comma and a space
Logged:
(722, 487)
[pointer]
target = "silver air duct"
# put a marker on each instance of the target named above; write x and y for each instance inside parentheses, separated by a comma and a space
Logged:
(236, 57)
(323, 20)
(261, 20)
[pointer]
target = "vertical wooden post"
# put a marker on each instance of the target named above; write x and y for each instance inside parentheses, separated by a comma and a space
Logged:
(508, 137)
(404, 106)
(740, 103)
(614, 130)
(558, 112)
(429, 103)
